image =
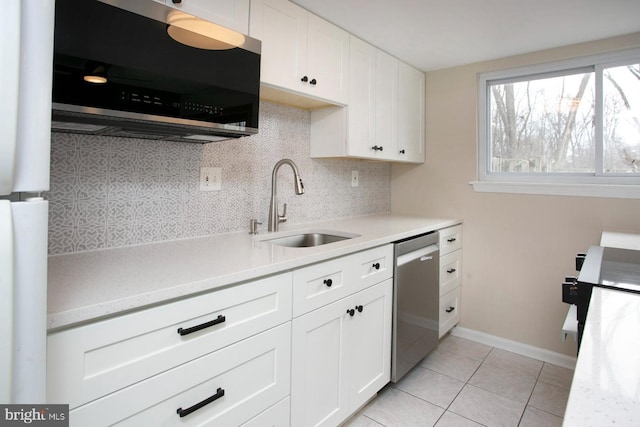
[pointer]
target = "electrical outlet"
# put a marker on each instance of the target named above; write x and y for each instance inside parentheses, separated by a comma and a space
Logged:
(210, 179)
(354, 178)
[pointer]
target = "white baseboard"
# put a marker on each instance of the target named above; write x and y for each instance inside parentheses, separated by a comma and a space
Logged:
(516, 347)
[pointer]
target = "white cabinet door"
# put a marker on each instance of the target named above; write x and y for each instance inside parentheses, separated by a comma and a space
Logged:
(369, 342)
(282, 27)
(327, 60)
(411, 114)
(373, 102)
(300, 52)
(232, 14)
(362, 99)
(340, 356)
(318, 365)
(386, 101)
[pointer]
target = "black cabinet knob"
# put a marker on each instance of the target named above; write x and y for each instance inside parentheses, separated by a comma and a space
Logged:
(304, 79)
(313, 82)
(328, 282)
(376, 266)
(401, 151)
(359, 308)
(351, 312)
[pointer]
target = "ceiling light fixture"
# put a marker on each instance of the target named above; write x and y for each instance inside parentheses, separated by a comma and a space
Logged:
(195, 32)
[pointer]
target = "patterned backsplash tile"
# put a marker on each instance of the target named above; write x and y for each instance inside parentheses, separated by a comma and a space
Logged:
(109, 192)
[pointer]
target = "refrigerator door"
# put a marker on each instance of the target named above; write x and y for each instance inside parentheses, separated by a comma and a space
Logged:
(34, 96)
(9, 72)
(30, 226)
(6, 300)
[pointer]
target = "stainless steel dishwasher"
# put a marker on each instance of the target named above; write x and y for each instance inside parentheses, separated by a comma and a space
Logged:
(416, 301)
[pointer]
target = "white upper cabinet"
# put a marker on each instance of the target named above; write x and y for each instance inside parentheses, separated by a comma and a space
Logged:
(232, 14)
(411, 114)
(301, 53)
(361, 112)
(384, 119)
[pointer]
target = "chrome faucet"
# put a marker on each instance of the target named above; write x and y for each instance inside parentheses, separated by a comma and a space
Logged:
(274, 218)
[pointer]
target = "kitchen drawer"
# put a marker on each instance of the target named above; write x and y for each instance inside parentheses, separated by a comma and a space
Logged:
(450, 239)
(276, 416)
(323, 283)
(450, 271)
(248, 377)
(93, 360)
(449, 311)
(374, 266)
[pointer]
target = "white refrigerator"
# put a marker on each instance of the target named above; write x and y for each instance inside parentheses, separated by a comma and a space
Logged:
(26, 58)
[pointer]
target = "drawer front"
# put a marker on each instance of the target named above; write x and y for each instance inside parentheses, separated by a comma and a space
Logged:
(450, 239)
(450, 271)
(241, 381)
(90, 361)
(320, 284)
(373, 266)
(326, 282)
(449, 311)
(276, 416)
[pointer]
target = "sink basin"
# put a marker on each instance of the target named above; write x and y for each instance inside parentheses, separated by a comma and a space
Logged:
(310, 239)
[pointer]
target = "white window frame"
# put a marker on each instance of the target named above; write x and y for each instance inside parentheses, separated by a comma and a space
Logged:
(569, 184)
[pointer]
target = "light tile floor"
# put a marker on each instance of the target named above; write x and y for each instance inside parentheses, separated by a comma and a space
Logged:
(465, 383)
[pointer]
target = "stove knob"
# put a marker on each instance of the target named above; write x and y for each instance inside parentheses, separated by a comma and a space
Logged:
(580, 260)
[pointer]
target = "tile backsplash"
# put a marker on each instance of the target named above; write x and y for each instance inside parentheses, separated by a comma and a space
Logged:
(109, 192)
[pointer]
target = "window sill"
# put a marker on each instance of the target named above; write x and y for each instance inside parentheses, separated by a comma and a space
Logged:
(580, 190)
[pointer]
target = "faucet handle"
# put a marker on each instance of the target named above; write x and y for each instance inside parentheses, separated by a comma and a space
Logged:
(283, 217)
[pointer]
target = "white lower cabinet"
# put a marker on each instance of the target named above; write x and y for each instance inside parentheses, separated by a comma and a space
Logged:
(306, 347)
(224, 388)
(340, 356)
(450, 277)
(139, 368)
(275, 416)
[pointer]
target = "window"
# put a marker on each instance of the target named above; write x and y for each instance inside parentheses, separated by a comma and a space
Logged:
(571, 127)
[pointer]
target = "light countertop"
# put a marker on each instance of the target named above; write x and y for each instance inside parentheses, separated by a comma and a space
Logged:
(606, 384)
(91, 285)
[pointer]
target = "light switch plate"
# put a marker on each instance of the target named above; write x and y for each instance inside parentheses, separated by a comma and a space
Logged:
(210, 179)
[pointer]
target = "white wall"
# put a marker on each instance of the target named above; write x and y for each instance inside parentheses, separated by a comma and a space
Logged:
(517, 248)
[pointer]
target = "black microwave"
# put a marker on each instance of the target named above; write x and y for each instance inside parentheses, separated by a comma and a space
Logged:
(133, 68)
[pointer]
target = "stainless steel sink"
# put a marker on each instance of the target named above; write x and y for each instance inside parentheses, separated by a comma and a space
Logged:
(310, 239)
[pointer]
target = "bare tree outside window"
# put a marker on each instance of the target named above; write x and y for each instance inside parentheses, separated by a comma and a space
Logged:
(548, 124)
(621, 117)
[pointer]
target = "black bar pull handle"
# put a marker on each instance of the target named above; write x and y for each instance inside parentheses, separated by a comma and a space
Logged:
(451, 240)
(451, 270)
(450, 309)
(187, 331)
(185, 412)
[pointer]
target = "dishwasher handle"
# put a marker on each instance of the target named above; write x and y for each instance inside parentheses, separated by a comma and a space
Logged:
(423, 254)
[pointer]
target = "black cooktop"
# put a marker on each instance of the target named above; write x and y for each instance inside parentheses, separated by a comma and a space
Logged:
(612, 268)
